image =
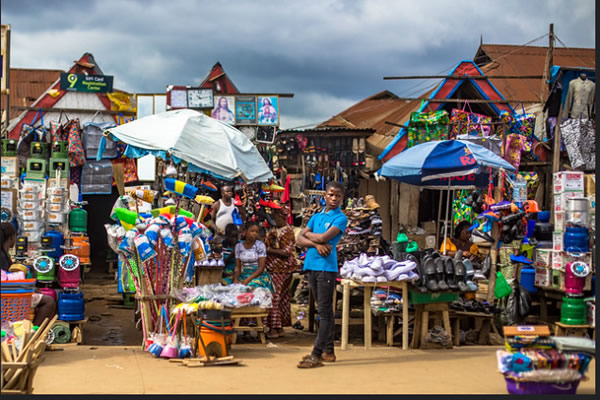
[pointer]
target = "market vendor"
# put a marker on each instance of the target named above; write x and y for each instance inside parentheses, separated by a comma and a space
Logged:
(231, 239)
(45, 306)
(281, 265)
(222, 210)
(250, 259)
(461, 241)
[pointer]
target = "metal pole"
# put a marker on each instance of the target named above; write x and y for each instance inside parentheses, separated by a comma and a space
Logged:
(446, 222)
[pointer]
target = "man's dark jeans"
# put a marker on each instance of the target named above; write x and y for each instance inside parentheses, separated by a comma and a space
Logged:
(322, 285)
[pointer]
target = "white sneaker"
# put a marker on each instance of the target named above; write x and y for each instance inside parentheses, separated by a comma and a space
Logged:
(369, 279)
(220, 263)
(213, 263)
(363, 259)
(377, 264)
(381, 279)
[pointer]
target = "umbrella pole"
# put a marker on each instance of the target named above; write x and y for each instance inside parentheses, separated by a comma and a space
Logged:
(437, 229)
(446, 222)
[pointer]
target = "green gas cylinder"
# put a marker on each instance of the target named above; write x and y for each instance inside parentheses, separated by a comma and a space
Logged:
(78, 220)
(573, 311)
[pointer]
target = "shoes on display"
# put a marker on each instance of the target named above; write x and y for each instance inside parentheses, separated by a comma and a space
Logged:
(449, 271)
(469, 273)
(439, 269)
(459, 273)
(205, 183)
(483, 235)
(430, 275)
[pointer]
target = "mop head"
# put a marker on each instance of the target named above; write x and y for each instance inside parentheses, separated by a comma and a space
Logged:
(156, 348)
(170, 350)
(185, 350)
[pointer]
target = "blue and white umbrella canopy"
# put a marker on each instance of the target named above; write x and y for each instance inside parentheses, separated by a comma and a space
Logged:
(433, 164)
(209, 145)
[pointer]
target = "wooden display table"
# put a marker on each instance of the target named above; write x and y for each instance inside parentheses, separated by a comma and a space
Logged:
(484, 323)
(255, 313)
(368, 289)
(561, 329)
(422, 321)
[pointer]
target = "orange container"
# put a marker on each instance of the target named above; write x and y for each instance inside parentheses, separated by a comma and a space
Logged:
(83, 249)
(209, 336)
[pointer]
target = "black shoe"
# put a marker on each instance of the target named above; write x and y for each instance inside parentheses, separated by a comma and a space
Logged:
(449, 271)
(439, 269)
(430, 275)
(485, 236)
(459, 272)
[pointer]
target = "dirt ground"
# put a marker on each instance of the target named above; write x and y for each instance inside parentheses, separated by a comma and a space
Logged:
(111, 361)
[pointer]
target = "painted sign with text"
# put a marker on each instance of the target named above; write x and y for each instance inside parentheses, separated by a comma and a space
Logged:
(86, 83)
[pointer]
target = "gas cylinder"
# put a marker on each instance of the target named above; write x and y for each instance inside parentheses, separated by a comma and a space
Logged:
(54, 240)
(78, 220)
(71, 306)
(81, 244)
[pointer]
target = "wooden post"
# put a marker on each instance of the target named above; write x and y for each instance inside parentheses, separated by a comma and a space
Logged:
(496, 236)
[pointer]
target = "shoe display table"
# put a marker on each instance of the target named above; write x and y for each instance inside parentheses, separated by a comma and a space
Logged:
(367, 315)
(255, 314)
(422, 315)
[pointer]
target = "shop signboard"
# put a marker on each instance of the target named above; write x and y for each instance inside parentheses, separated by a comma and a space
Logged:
(86, 83)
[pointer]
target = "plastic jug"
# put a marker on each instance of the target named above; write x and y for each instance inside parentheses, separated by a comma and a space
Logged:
(576, 239)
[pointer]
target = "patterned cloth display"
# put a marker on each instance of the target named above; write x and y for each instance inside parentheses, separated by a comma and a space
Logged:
(514, 145)
(579, 136)
(426, 126)
(57, 132)
(461, 211)
(469, 123)
(76, 152)
(129, 169)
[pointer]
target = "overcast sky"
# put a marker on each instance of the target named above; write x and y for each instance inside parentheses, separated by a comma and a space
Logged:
(329, 53)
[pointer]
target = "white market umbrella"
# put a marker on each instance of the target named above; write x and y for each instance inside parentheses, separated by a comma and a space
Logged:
(205, 143)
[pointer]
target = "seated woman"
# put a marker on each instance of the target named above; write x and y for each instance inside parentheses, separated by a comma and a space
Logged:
(231, 239)
(45, 306)
(250, 258)
(461, 241)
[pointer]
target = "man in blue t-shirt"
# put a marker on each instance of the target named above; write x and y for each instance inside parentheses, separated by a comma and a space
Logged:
(321, 236)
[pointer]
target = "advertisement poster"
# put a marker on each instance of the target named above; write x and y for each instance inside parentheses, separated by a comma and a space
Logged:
(245, 110)
(268, 110)
(224, 109)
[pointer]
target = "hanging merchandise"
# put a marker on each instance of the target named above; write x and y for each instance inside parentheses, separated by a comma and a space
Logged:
(96, 177)
(469, 123)
(76, 152)
(579, 136)
(129, 169)
(506, 121)
(460, 210)
(515, 144)
(580, 98)
(533, 182)
(92, 135)
(493, 144)
(427, 126)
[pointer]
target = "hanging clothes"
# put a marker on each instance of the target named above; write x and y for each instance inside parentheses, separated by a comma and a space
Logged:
(554, 98)
(580, 98)
(579, 136)
(76, 152)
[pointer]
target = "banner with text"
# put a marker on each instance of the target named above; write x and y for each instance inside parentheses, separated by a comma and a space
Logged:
(86, 83)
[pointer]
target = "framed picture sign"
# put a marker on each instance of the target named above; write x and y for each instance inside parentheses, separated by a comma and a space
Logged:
(245, 110)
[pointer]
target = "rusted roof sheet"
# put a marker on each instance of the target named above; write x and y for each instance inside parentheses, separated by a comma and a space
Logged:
(527, 60)
(27, 85)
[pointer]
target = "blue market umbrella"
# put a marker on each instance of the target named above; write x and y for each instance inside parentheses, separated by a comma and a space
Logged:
(444, 164)
(441, 163)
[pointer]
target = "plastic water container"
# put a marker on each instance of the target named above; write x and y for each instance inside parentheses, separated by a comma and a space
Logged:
(71, 306)
(528, 279)
(54, 240)
(576, 239)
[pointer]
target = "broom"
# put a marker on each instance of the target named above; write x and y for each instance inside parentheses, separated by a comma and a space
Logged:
(170, 349)
(186, 342)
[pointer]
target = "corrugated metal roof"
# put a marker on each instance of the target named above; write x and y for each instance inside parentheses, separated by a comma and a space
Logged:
(27, 85)
(527, 60)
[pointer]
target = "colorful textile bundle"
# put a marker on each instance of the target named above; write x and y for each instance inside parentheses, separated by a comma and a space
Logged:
(469, 123)
(426, 126)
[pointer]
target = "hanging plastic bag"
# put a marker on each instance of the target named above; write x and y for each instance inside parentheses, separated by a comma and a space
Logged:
(144, 249)
(502, 287)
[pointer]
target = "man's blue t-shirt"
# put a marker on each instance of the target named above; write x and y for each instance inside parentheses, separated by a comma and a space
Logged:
(320, 223)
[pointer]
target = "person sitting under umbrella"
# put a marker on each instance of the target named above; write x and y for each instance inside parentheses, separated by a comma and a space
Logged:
(461, 241)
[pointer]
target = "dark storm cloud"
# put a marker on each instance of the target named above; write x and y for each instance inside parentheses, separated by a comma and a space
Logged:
(330, 53)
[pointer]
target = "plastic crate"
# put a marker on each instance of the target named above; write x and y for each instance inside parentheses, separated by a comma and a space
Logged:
(437, 297)
(516, 387)
(16, 305)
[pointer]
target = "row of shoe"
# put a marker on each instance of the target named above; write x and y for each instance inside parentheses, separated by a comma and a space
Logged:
(383, 301)
(474, 306)
(378, 269)
(443, 273)
(210, 263)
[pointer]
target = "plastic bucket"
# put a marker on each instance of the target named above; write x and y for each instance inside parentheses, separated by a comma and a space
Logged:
(516, 387)
(528, 279)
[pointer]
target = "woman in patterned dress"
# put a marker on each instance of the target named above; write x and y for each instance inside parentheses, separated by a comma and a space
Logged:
(281, 264)
(250, 257)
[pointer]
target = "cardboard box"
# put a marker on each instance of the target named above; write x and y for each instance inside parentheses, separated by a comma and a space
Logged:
(561, 259)
(557, 241)
(590, 184)
(429, 227)
(430, 242)
(560, 200)
(568, 181)
(9, 199)
(543, 258)
(10, 166)
(559, 222)
(543, 277)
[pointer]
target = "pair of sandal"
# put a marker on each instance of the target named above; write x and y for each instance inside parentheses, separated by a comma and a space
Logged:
(310, 361)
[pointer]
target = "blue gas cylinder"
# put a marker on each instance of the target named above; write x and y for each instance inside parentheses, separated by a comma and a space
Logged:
(71, 306)
(576, 239)
(56, 239)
